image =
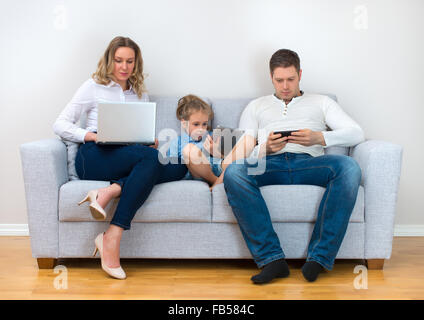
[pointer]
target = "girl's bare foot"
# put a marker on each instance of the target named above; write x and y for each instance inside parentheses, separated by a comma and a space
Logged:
(219, 180)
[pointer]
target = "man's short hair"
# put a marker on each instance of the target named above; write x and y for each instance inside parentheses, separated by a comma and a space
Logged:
(284, 58)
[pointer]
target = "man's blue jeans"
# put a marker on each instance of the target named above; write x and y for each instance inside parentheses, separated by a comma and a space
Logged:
(340, 175)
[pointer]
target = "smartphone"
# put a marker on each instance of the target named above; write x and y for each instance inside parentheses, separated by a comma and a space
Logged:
(285, 133)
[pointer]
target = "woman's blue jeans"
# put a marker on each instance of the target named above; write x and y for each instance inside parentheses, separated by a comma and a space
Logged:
(340, 175)
(136, 168)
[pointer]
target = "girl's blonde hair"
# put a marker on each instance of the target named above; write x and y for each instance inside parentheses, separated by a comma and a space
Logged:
(104, 72)
(190, 104)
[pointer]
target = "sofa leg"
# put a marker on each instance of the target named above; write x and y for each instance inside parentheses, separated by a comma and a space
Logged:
(375, 264)
(46, 263)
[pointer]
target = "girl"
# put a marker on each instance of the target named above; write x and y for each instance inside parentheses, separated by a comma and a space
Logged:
(195, 145)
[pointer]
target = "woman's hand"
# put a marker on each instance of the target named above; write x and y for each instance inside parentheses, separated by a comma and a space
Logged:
(90, 136)
(155, 146)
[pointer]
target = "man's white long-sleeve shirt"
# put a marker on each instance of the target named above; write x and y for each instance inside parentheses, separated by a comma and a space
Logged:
(86, 99)
(308, 111)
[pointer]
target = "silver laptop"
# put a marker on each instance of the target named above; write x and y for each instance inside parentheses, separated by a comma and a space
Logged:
(126, 123)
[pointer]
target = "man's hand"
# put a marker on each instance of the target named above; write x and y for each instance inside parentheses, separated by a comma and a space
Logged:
(275, 143)
(90, 136)
(307, 137)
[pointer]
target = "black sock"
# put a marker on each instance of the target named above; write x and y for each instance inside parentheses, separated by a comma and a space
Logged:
(274, 269)
(311, 270)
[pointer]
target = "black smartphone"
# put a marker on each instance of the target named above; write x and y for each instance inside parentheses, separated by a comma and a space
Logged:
(285, 133)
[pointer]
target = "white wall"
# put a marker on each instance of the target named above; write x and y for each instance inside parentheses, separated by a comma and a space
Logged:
(369, 53)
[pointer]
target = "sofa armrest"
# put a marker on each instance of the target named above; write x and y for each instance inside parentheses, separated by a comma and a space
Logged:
(44, 165)
(380, 163)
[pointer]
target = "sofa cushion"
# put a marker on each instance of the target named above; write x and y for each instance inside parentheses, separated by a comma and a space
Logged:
(227, 112)
(186, 201)
(337, 150)
(286, 203)
(165, 113)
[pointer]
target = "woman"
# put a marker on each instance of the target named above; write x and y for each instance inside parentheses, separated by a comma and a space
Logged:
(132, 170)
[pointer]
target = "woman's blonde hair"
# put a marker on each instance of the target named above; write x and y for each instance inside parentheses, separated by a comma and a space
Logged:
(190, 104)
(104, 72)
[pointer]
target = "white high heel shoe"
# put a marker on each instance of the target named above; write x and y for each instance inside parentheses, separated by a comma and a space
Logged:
(96, 210)
(117, 273)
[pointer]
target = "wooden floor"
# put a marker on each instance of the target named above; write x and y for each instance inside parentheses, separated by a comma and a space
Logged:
(20, 278)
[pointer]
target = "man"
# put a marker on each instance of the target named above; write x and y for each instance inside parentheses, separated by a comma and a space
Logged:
(295, 159)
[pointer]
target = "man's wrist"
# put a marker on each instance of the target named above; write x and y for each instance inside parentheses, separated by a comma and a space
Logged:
(322, 139)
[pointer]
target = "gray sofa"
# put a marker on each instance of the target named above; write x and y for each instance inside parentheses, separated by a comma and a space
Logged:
(183, 219)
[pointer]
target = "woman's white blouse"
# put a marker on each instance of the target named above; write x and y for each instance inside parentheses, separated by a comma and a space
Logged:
(86, 99)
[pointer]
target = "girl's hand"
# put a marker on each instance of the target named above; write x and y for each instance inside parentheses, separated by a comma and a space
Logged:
(212, 147)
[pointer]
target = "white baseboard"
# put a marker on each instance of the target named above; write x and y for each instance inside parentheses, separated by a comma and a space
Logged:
(409, 230)
(401, 230)
(14, 230)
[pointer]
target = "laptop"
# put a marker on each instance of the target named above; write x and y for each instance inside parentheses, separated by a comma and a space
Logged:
(126, 123)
